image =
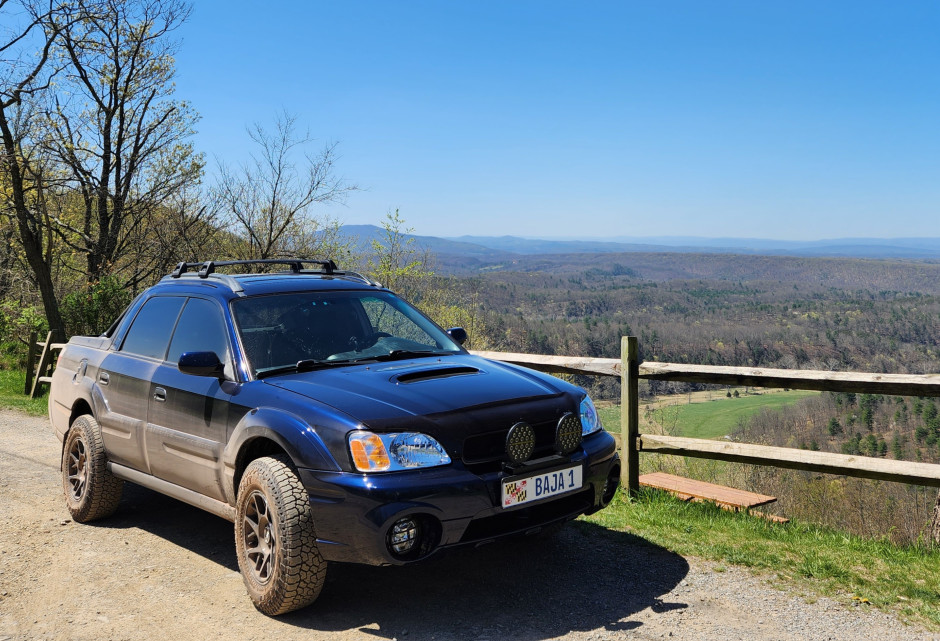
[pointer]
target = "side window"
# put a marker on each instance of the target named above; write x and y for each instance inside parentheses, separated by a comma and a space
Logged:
(201, 329)
(150, 332)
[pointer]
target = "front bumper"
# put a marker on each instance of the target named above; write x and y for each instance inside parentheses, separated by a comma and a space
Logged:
(354, 512)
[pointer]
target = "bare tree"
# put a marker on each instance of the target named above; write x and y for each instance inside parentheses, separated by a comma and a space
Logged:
(119, 135)
(267, 203)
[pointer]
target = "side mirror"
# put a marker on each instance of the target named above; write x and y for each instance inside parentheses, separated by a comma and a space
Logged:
(459, 334)
(201, 364)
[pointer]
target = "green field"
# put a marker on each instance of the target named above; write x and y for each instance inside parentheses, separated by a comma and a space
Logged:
(709, 419)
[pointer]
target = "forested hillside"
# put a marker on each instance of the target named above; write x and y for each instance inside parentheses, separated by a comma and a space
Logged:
(845, 314)
(839, 314)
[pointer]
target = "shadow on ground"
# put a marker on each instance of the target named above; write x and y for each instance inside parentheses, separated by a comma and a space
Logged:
(179, 523)
(584, 577)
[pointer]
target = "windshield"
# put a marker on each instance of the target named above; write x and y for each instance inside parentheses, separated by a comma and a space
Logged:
(279, 331)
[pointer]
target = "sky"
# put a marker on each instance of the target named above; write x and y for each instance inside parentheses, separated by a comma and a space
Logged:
(798, 120)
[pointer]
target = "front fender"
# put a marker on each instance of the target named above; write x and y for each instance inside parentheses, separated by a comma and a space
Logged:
(291, 433)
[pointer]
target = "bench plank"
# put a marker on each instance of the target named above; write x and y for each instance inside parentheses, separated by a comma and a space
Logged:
(689, 488)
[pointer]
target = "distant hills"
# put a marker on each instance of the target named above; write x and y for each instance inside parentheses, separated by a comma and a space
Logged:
(483, 253)
(921, 248)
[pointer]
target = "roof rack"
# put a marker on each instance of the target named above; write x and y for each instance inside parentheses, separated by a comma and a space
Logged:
(295, 264)
(206, 270)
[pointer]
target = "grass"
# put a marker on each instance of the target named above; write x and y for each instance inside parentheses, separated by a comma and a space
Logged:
(709, 419)
(902, 579)
(12, 397)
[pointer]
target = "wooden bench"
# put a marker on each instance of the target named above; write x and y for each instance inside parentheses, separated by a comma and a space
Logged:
(727, 498)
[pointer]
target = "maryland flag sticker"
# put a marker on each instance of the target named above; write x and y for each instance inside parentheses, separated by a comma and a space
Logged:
(514, 492)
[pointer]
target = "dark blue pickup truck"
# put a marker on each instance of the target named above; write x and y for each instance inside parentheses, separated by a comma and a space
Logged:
(325, 417)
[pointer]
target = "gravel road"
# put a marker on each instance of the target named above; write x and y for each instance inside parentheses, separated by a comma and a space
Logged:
(160, 569)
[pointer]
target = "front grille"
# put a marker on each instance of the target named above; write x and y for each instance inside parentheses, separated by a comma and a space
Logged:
(486, 452)
(524, 519)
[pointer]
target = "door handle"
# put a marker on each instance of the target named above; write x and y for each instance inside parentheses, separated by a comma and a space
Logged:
(104, 378)
(159, 394)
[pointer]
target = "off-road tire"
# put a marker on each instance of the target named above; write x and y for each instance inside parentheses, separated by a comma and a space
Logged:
(275, 539)
(91, 491)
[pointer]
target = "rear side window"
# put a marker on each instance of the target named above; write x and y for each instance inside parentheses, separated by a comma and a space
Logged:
(201, 329)
(149, 335)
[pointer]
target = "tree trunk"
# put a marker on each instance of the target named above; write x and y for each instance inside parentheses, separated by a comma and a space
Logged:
(30, 228)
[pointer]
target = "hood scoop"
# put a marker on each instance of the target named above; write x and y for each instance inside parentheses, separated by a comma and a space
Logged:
(437, 372)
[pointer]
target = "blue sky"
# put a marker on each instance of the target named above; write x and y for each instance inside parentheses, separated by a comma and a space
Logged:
(786, 120)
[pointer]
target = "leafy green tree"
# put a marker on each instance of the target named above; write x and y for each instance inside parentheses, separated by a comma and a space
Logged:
(91, 311)
(834, 427)
(929, 412)
(897, 446)
(397, 262)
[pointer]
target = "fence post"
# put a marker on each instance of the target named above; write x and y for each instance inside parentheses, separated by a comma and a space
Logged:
(629, 414)
(30, 361)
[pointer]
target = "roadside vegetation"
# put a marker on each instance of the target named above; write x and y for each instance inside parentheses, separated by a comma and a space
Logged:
(12, 397)
(808, 559)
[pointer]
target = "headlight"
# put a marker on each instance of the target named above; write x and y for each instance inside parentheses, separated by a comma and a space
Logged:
(391, 452)
(590, 421)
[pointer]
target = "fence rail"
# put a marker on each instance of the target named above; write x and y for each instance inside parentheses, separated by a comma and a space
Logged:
(630, 371)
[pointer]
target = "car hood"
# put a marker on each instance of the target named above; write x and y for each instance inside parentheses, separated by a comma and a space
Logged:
(382, 394)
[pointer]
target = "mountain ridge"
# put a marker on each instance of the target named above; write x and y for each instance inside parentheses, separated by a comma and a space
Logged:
(506, 247)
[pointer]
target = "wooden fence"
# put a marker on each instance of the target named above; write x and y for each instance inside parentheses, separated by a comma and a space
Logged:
(630, 371)
(40, 374)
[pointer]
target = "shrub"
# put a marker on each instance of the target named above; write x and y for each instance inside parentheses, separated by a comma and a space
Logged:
(16, 323)
(91, 311)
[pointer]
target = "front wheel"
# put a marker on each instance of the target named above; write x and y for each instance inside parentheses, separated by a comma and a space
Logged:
(275, 539)
(91, 491)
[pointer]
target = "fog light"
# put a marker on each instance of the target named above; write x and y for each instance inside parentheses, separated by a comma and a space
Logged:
(568, 434)
(520, 442)
(403, 535)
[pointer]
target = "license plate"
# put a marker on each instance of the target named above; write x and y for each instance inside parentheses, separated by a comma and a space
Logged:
(541, 486)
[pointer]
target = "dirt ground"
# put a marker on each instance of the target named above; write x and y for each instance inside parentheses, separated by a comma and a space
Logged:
(160, 569)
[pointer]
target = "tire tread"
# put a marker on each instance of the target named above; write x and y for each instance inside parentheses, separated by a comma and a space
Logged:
(301, 569)
(103, 490)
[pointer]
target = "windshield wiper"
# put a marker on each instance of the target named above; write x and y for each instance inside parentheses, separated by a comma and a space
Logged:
(401, 354)
(306, 365)
(396, 355)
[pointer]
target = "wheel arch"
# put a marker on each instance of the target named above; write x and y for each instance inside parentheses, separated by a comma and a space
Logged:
(79, 408)
(252, 449)
(264, 432)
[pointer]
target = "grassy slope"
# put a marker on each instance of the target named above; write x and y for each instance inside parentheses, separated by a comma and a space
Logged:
(711, 419)
(876, 572)
(12, 397)
(719, 417)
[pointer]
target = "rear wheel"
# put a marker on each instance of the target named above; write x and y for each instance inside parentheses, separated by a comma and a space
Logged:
(91, 491)
(275, 539)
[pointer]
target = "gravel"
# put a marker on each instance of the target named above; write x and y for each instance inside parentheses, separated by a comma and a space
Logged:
(159, 569)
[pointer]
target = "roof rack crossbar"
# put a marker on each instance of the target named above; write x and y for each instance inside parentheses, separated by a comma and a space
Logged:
(206, 270)
(294, 264)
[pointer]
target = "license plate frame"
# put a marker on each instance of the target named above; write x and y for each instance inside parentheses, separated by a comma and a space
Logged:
(540, 485)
